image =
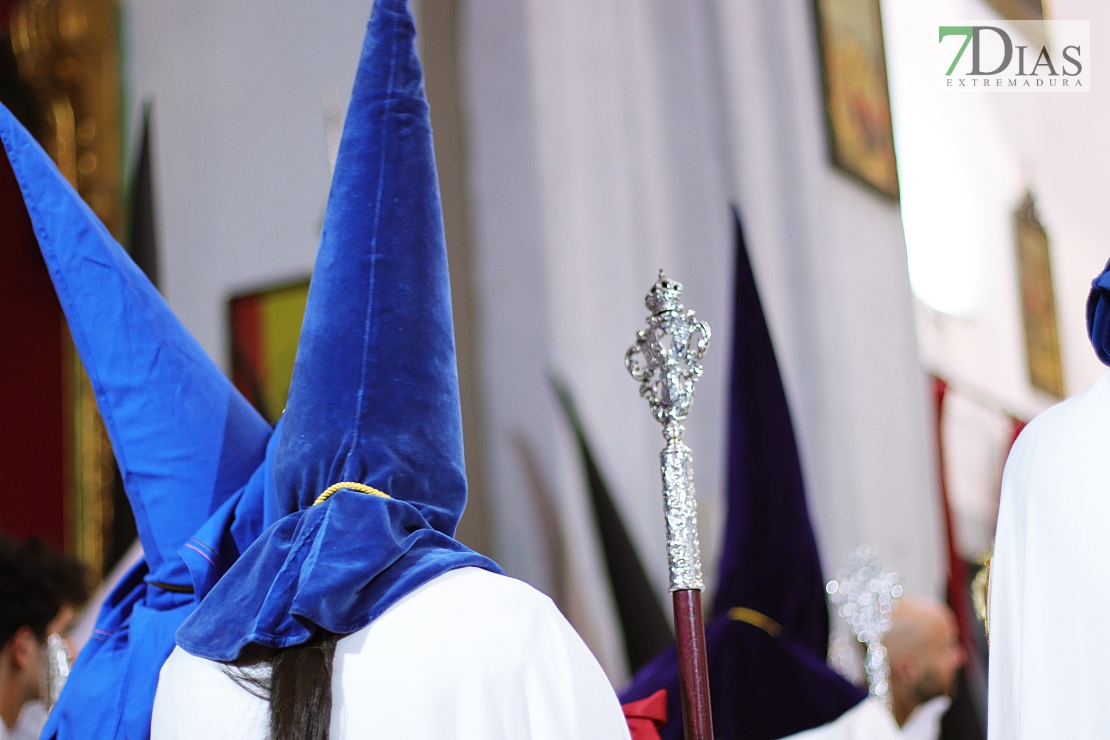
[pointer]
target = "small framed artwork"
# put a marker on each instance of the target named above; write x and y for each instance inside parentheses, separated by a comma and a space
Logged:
(1038, 301)
(1019, 10)
(857, 99)
(265, 330)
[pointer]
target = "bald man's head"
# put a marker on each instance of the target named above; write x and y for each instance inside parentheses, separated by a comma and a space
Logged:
(924, 653)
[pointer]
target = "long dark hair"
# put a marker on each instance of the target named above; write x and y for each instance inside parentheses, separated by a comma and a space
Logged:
(296, 681)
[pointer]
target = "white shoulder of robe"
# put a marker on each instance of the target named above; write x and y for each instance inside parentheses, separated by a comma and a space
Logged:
(1049, 599)
(468, 655)
(868, 720)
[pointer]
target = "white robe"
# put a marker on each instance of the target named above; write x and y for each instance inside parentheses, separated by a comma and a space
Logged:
(871, 720)
(29, 724)
(1049, 610)
(469, 655)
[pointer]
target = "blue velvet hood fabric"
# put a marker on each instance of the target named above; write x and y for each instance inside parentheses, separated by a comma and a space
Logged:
(1098, 315)
(763, 686)
(374, 397)
(195, 458)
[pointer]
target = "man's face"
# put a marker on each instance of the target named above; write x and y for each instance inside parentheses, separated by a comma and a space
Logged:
(940, 659)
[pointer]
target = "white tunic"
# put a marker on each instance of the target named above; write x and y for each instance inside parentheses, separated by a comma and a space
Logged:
(868, 720)
(871, 720)
(1049, 608)
(28, 726)
(469, 655)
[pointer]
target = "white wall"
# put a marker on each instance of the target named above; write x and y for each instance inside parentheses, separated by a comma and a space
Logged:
(831, 265)
(608, 139)
(593, 166)
(965, 162)
(240, 151)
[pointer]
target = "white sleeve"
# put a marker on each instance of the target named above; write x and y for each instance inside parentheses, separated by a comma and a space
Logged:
(567, 695)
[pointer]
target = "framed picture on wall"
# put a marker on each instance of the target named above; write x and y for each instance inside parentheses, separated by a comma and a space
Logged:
(1038, 301)
(857, 99)
(265, 330)
(1019, 10)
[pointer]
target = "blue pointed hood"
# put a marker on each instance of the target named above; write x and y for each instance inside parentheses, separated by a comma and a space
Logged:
(369, 470)
(190, 449)
(374, 397)
(154, 384)
(1098, 315)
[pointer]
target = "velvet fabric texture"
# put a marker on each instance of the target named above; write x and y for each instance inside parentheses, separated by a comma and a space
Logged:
(1098, 315)
(374, 397)
(769, 560)
(763, 686)
(191, 450)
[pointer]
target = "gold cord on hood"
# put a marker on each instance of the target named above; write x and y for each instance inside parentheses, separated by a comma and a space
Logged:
(360, 487)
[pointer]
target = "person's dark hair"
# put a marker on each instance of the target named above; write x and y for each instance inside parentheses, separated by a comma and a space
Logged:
(297, 683)
(35, 582)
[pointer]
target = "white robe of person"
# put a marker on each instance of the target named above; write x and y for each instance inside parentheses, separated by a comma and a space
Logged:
(871, 720)
(470, 655)
(1049, 612)
(29, 724)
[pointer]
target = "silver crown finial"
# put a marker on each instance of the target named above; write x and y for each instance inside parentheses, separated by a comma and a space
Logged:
(666, 361)
(665, 295)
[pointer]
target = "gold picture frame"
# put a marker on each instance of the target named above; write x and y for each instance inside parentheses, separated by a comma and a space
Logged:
(67, 54)
(1019, 10)
(857, 98)
(264, 327)
(1038, 301)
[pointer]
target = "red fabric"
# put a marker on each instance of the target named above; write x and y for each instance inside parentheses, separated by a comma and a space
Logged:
(31, 424)
(958, 580)
(1016, 427)
(646, 716)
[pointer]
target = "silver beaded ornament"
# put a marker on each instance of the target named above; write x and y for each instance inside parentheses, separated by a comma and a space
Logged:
(867, 593)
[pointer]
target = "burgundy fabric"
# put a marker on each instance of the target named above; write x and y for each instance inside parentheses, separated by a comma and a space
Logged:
(31, 427)
(6, 7)
(959, 595)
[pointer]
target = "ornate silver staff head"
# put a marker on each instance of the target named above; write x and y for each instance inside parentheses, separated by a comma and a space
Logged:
(867, 593)
(671, 347)
(670, 350)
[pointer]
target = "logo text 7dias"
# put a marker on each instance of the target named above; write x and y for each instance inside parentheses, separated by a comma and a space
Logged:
(1018, 56)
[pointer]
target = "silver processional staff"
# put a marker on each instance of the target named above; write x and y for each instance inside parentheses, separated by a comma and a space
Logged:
(670, 351)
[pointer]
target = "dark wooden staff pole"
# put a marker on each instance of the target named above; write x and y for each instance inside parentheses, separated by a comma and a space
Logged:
(670, 350)
(693, 667)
